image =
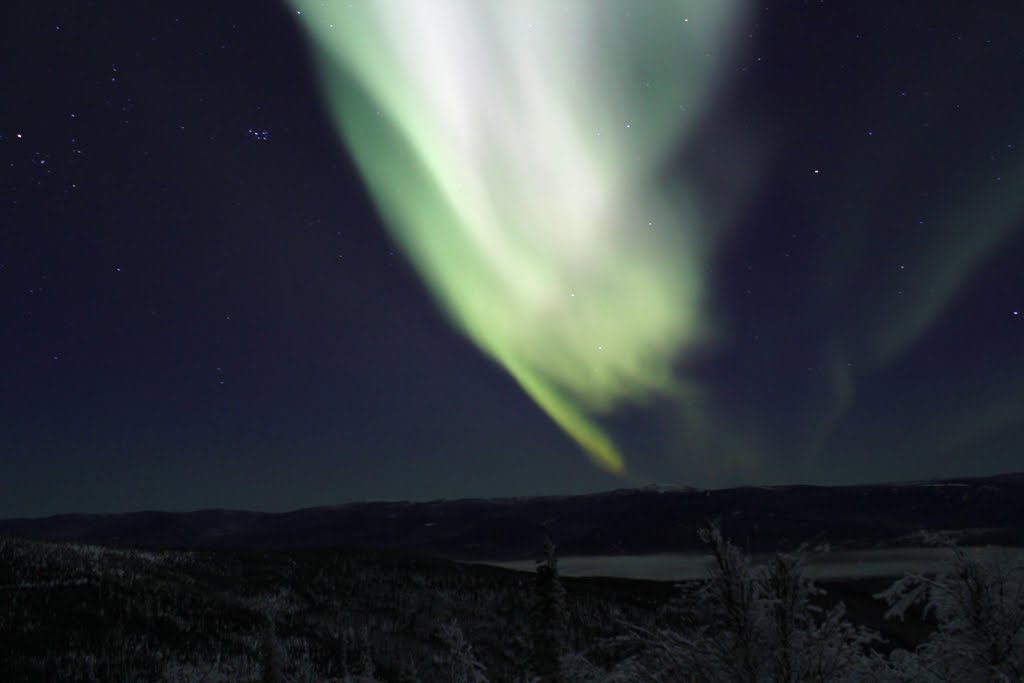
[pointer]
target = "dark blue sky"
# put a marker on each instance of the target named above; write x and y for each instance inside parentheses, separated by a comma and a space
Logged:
(199, 306)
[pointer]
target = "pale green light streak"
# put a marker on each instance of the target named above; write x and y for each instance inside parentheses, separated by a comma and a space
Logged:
(513, 147)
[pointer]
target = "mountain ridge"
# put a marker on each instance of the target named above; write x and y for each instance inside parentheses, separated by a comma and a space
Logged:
(620, 521)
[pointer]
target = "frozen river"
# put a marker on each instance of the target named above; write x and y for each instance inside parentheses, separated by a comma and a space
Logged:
(683, 566)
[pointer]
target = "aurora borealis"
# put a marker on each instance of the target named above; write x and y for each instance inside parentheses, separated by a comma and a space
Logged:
(325, 251)
(515, 149)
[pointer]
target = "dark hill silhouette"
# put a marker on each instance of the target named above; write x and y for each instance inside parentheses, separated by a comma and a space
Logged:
(628, 521)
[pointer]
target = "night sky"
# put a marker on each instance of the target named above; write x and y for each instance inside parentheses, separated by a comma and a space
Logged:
(226, 281)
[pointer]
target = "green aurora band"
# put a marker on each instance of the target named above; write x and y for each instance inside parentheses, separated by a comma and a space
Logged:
(516, 151)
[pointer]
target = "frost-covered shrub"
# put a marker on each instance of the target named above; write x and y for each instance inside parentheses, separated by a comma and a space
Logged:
(749, 623)
(456, 659)
(977, 600)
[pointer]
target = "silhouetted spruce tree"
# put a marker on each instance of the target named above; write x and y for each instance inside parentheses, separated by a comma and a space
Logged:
(408, 672)
(366, 666)
(271, 657)
(548, 617)
(343, 652)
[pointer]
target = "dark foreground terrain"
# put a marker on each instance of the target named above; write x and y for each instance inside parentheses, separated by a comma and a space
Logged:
(244, 596)
(73, 612)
